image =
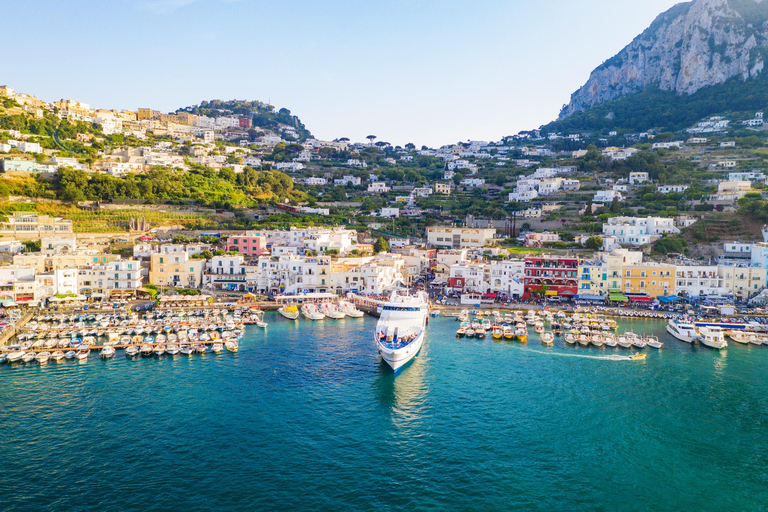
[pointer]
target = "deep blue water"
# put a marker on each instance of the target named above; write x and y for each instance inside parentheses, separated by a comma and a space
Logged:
(305, 417)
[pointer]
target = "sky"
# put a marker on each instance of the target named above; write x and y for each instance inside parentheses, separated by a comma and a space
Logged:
(430, 72)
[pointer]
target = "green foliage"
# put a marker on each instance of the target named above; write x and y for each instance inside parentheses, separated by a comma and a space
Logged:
(380, 245)
(670, 245)
(594, 243)
(32, 246)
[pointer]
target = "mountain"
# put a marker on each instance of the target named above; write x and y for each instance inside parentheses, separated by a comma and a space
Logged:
(691, 47)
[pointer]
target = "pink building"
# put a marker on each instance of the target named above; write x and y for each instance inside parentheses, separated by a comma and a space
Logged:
(247, 245)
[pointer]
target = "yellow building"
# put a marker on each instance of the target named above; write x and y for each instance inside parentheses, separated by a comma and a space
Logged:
(442, 188)
(649, 280)
(176, 269)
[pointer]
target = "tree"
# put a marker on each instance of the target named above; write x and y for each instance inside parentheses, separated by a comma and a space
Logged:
(594, 243)
(380, 245)
(615, 206)
(371, 138)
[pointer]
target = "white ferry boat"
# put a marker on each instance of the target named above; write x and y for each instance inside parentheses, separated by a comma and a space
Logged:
(712, 337)
(400, 330)
(684, 331)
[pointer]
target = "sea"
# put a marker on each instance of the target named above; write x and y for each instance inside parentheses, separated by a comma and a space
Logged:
(306, 417)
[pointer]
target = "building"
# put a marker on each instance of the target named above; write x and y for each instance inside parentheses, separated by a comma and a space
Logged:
(508, 278)
(639, 231)
(226, 273)
(459, 238)
(442, 188)
(551, 276)
(539, 239)
(29, 225)
(732, 191)
(17, 165)
(666, 189)
(176, 269)
(607, 196)
(636, 178)
(646, 281)
(247, 245)
(378, 187)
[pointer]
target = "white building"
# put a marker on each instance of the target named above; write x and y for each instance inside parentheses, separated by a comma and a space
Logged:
(378, 187)
(636, 178)
(607, 196)
(507, 277)
(639, 231)
(666, 189)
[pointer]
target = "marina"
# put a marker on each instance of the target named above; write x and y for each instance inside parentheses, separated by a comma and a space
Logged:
(252, 413)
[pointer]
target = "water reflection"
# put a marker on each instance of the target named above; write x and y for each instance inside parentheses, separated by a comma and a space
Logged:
(404, 393)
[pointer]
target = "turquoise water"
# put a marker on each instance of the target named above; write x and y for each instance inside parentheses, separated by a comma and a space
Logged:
(305, 417)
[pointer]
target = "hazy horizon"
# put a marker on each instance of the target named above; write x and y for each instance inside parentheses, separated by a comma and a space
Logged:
(425, 72)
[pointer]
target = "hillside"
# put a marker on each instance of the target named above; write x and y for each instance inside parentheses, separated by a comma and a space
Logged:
(263, 115)
(692, 47)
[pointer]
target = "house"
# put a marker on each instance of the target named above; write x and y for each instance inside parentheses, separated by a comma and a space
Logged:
(378, 187)
(17, 165)
(607, 196)
(348, 180)
(247, 245)
(176, 269)
(539, 239)
(523, 197)
(636, 178)
(667, 145)
(551, 276)
(459, 238)
(666, 189)
(473, 182)
(442, 188)
(389, 212)
(639, 231)
(732, 190)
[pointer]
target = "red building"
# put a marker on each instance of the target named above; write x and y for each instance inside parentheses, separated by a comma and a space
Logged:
(551, 276)
(244, 122)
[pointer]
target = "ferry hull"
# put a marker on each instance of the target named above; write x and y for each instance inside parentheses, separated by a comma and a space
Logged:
(397, 358)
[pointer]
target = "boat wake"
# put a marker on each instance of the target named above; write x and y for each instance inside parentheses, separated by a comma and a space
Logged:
(614, 357)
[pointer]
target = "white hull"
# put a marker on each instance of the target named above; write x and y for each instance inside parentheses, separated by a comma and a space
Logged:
(680, 336)
(399, 357)
(289, 316)
(714, 344)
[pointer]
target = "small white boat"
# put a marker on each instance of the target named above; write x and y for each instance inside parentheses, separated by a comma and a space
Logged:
(712, 337)
(146, 350)
(217, 347)
(232, 346)
(82, 354)
(187, 350)
(43, 357)
(653, 342)
(15, 355)
(70, 355)
(107, 352)
(132, 351)
(311, 312)
(172, 349)
(159, 349)
(28, 357)
(57, 355)
(332, 311)
(350, 310)
(548, 339)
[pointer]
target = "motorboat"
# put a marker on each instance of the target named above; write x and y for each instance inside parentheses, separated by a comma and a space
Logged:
(159, 349)
(172, 349)
(497, 332)
(350, 310)
(547, 338)
(107, 352)
(653, 342)
(232, 346)
(521, 333)
(683, 331)
(637, 357)
(82, 354)
(480, 332)
(70, 354)
(311, 312)
(187, 350)
(712, 337)
(400, 329)
(217, 347)
(57, 355)
(132, 351)
(28, 357)
(508, 332)
(43, 357)
(289, 311)
(15, 355)
(146, 350)
(332, 311)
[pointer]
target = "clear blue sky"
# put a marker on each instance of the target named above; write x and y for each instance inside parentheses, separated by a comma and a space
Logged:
(424, 71)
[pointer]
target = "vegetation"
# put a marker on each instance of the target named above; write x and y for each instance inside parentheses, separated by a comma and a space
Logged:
(670, 245)
(380, 245)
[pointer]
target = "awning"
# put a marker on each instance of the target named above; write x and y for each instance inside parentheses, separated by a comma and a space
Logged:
(549, 293)
(669, 299)
(618, 298)
(641, 299)
(489, 295)
(590, 297)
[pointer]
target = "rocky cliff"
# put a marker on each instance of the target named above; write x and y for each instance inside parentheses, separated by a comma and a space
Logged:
(691, 46)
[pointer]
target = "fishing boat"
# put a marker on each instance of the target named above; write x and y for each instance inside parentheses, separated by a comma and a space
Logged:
(57, 355)
(521, 333)
(712, 337)
(172, 349)
(683, 331)
(289, 311)
(508, 332)
(497, 332)
(217, 347)
(548, 339)
(400, 329)
(82, 354)
(311, 312)
(15, 355)
(653, 342)
(43, 357)
(107, 352)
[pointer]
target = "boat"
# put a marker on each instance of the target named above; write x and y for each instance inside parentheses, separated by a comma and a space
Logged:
(547, 338)
(570, 338)
(462, 330)
(497, 332)
(15, 355)
(311, 312)
(350, 310)
(332, 311)
(521, 333)
(70, 355)
(653, 342)
(43, 357)
(187, 350)
(107, 352)
(400, 329)
(539, 327)
(58, 355)
(508, 332)
(146, 350)
(82, 354)
(637, 357)
(289, 311)
(28, 357)
(172, 349)
(480, 332)
(217, 347)
(232, 346)
(159, 349)
(132, 351)
(683, 331)
(712, 337)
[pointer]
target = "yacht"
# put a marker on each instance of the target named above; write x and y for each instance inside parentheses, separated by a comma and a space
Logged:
(311, 312)
(400, 329)
(289, 311)
(684, 331)
(712, 337)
